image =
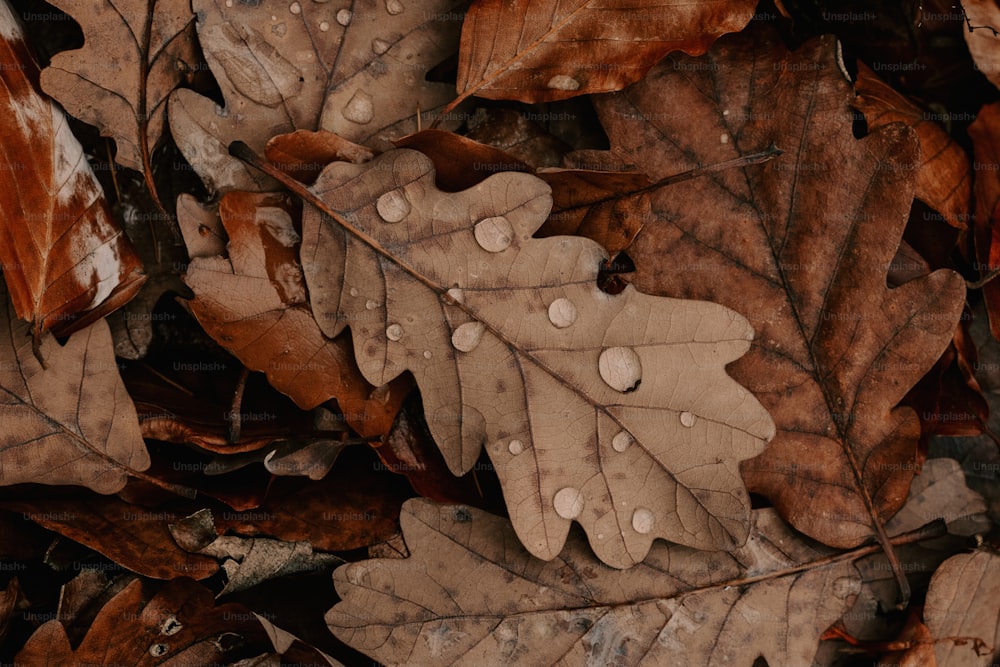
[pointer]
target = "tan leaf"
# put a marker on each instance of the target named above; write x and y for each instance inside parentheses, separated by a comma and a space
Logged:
(65, 261)
(357, 71)
(469, 594)
(543, 50)
(983, 36)
(73, 423)
(135, 52)
(614, 411)
(963, 605)
(801, 245)
(944, 178)
(255, 305)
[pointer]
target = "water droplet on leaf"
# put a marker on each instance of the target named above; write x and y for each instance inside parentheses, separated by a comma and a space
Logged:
(394, 7)
(394, 332)
(324, 26)
(371, 304)
(380, 46)
(515, 447)
(642, 520)
(494, 234)
(568, 503)
(688, 419)
(393, 206)
(562, 313)
(620, 368)
(344, 17)
(295, 8)
(360, 109)
(467, 336)
(563, 82)
(622, 441)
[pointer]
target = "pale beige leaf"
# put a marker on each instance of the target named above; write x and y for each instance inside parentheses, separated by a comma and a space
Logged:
(983, 40)
(357, 71)
(964, 601)
(613, 411)
(73, 423)
(470, 595)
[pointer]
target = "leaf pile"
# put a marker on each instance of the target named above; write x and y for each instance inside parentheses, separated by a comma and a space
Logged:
(498, 333)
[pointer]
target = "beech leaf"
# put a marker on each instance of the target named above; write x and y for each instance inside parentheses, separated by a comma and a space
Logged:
(64, 259)
(545, 50)
(801, 245)
(73, 423)
(135, 52)
(469, 594)
(614, 411)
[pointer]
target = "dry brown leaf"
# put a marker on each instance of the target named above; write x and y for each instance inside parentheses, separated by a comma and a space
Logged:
(177, 626)
(801, 246)
(944, 177)
(135, 52)
(255, 305)
(73, 423)
(983, 36)
(963, 605)
(357, 71)
(469, 594)
(303, 154)
(985, 135)
(64, 259)
(512, 132)
(613, 411)
(544, 50)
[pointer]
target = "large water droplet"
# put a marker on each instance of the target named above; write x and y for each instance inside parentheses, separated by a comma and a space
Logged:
(688, 419)
(456, 295)
(371, 304)
(620, 368)
(467, 336)
(563, 82)
(394, 332)
(622, 441)
(380, 46)
(515, 447)
(494, 234)
(568, 502)
(295, 8)
(360, 109)
(643, 520)
(344, 17)
(562, 313)
(393, 206)
(394, 7)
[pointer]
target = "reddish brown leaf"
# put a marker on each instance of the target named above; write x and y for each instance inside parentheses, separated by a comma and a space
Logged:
(985, 135)
(944, 177)
(801, 246)
(65, 261)
(303, 154)
(513, 133)
(132, 536)
(544, 50)
(460, 162)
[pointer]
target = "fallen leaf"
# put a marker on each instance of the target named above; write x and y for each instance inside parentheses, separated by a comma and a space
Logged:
(132, 536)
(65, 261)
(178, 626)
(985, 135)
(460, 162)
(963, 605)
(303, 154)
(73, 423)
(944, 175)
(496, 327)
(516, 134)
(530, 50)
(982, 37)
(134, 54)
(469, 593)
(255, 305)
(801, 245)
(357, 71)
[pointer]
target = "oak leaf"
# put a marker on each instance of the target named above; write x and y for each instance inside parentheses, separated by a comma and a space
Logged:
(254, 304)
(469, 594)
(72, 423)
(134, 54)
(65, 261)
(801, 246)
(544, 50)
(357, 71)
(614, 411)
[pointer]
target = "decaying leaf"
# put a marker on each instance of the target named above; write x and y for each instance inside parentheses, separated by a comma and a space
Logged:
(544, 50)
(177, 626)
(72, 423)
(801, 246)
(983, 36)
(963, 606)
(499, 329)
(355, 70)
(469, 594)
(255, 305)
(65, 261)
(135, 52)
